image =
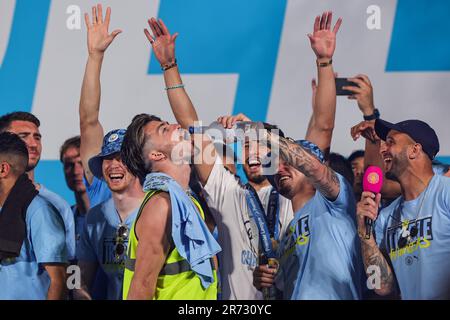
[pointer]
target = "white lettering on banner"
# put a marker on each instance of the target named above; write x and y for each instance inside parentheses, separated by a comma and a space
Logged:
(128, 89)
(73, 22)
(374, 20)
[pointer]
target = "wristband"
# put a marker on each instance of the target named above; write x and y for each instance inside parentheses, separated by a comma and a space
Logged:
(324, 64)
(373, 116)
(174, 87)
(165, 67)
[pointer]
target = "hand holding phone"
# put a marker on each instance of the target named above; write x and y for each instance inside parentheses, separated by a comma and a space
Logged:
(343, 82)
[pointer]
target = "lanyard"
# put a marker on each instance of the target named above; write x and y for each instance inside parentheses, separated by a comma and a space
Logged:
(266, 225)
(273, 214)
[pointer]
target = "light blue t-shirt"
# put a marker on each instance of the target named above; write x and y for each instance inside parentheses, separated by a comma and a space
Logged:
(422, 268)
(79, 224)
(97, 244)
(24, 278)
(66, 214)
(98, 191)
(320, 255)
(98, 288)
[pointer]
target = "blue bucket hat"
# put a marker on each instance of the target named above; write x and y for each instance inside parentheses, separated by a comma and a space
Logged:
(311, 148)
(112, 142)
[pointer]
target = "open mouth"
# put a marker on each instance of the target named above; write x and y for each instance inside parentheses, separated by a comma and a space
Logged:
(282, 179)
(116, 177)
(254, 164)
(387, 160)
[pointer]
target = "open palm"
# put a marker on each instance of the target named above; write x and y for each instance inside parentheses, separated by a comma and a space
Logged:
(98, 37)
(323, 39)
(163, 43)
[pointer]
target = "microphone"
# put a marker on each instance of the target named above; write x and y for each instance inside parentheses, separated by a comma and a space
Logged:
(372, 182)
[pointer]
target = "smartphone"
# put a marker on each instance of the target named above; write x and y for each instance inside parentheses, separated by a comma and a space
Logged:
(343, 82)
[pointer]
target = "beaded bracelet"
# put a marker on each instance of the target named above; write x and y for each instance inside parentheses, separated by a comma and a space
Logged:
(174, 87)
(166, 67)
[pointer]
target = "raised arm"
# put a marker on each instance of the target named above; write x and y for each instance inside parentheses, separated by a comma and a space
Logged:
(313, 104)
(323, 178)
(323, 43)
(163, 45)
(363, 94)
(91, 131)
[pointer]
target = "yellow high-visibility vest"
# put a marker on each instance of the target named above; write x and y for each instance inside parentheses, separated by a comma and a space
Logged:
(176, 281)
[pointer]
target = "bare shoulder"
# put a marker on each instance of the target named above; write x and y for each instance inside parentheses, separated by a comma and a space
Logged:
(158, 205)
(155, 215)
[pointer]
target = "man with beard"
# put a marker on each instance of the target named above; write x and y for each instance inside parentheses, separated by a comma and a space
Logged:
(26, 126)
(410, 246)
(171, 253)
(277, 209)
(105, 236)
(227, 198)
(319, 255)
(32, 242)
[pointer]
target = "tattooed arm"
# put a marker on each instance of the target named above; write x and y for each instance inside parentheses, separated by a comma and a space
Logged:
(323, 178)
(372, 255)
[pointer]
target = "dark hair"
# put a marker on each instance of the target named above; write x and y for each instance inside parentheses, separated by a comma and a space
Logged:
(133, 144)
(16, 150)
(5, 120)
(356, 154)
(269, 127)
(73, 142)
(342, 166)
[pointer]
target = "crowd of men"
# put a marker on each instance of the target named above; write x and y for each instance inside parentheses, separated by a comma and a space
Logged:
(161, 213)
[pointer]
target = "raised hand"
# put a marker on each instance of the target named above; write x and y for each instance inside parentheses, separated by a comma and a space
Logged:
(363, 94)
(323, 39)
(98, 37)
(365, 129)
(163, 43)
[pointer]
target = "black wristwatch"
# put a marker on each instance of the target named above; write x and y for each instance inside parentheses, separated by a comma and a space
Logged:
(373, 116)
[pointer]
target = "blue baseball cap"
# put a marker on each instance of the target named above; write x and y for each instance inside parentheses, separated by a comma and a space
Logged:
(112, 142)
(418, 130)
(311, 148)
